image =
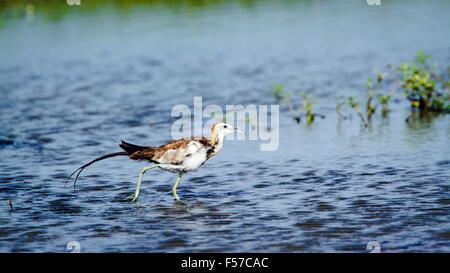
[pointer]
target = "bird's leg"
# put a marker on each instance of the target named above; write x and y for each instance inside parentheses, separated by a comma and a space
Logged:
(174, 189)
(134, 196)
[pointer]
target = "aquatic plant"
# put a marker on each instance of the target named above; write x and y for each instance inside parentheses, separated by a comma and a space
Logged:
(278, 92)
(370, 108)
(374, 91)
(370, 105)
(384, 101)
(308, 101)
(384, 98)
(340, 103)
(420, 86)
(307, 106)
(354, 105)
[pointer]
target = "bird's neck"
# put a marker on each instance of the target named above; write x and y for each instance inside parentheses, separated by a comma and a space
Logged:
(216, 140)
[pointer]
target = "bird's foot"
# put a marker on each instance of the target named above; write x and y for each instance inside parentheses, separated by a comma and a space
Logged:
(132, 198)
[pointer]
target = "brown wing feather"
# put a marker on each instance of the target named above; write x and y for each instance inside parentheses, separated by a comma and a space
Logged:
(164, 153)
(144, 154)
(175, 151)
(181, 143)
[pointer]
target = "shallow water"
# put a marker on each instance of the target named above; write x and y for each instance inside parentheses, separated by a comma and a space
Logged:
(72, 87)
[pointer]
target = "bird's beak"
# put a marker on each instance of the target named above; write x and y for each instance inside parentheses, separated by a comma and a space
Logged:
(239, 131)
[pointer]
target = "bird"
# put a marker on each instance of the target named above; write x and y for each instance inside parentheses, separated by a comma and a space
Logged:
(178, 156)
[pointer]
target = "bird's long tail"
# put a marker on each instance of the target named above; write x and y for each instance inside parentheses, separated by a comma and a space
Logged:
(80, 169)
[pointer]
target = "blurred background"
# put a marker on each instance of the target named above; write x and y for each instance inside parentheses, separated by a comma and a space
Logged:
(75, 79)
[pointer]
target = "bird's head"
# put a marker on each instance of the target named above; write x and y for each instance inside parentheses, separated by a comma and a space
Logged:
(224, 128)
(221, 129)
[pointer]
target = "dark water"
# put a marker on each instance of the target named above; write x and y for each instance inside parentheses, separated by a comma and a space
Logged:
(72, 87)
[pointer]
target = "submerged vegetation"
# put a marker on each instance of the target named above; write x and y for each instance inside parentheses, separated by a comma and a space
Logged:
(426, 90)
(371, 105)
(308, 101)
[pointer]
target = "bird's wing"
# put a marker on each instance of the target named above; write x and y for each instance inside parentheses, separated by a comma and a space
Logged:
(176, 151)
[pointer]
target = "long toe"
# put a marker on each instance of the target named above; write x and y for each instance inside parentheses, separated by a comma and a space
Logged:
(132, 198)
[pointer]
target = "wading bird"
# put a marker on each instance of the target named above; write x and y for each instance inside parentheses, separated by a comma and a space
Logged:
(178, 156)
